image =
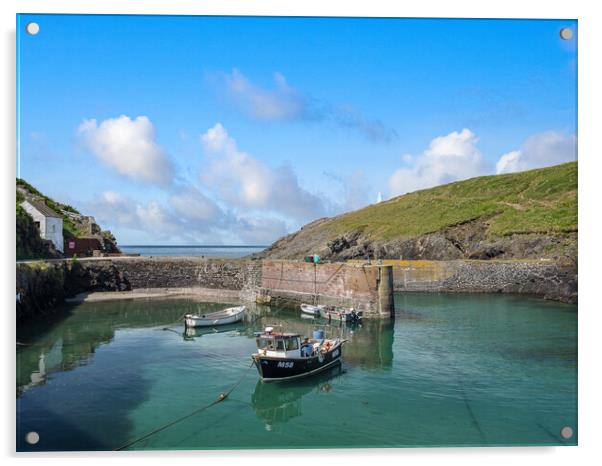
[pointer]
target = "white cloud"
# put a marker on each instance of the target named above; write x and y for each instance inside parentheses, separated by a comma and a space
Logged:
(540, 150)
(351, 118)
(113, 208)
(355, 190)
(246, 182)
(260, 230)
(448, 158)
(189, 203)
(509, 162)
(129, 147)
(189, 218)
(285, 103)
(281, 103)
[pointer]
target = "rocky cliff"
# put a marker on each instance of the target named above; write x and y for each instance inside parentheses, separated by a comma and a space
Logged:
(40, 286)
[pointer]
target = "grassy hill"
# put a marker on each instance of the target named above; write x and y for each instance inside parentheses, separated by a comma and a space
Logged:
(527, 214)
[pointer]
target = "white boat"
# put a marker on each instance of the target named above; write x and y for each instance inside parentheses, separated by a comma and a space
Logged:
(226, 316)
(311, 309)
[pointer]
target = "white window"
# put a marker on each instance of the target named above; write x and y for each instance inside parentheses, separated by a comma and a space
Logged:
(292, 344)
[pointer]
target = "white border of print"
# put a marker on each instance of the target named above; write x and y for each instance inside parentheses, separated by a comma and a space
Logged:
(590, 166)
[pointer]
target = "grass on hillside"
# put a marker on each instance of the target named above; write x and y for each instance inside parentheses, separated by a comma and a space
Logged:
(535, 201)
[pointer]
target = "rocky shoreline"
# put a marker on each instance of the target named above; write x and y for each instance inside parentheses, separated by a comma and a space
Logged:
(468, 240)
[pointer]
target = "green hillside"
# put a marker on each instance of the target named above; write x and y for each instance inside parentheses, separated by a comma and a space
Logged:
(531, 214)
(535, 201)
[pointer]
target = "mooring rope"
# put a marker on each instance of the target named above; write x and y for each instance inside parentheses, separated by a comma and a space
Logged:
(174, 322)
(221, 397)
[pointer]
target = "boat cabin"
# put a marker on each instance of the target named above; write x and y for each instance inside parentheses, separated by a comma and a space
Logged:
(280, 345)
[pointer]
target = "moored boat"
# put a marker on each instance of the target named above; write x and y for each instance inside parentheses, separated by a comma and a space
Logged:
(223, 317)
(341, 313)
(311, 309)
(287, 356)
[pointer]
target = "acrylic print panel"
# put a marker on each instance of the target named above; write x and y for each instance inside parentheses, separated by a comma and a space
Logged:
(339, 232)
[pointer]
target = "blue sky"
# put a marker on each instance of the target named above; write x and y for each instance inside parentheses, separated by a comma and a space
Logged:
(229, 130)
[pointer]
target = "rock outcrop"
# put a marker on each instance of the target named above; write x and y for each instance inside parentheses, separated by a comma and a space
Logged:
(41, 286)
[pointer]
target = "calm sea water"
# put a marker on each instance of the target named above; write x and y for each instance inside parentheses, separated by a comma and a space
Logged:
(450, 370)
(208, 251)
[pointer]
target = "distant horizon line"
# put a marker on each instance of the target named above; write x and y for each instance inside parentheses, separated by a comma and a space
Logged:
(192, 246)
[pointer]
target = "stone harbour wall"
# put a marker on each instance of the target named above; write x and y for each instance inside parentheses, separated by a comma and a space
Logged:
(41, 285)
(186, 272)
(542, 278)
(339, 283)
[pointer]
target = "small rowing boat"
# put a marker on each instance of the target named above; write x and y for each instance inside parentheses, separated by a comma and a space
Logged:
(226, 316)
(311, 310)
(341, 313)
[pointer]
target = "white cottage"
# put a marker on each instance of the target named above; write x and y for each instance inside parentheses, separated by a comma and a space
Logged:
(47, 220)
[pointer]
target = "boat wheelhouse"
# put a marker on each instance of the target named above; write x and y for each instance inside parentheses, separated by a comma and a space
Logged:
(286, 356)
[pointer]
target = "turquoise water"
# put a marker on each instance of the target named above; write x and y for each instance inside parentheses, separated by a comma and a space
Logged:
(450, 370)
(232, 252)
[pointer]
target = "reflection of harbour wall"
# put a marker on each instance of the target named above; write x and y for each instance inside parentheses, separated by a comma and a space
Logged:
(368, 288)
(542, 278)
(371, 346)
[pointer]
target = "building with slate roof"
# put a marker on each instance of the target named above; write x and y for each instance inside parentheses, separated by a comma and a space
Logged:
(49, 223)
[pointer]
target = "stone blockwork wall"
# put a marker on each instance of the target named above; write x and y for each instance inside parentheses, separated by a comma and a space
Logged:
(185, 272)
(332, 283)
(541, 278)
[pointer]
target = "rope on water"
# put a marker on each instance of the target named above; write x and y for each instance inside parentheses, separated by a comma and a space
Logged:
(222, 396)
(175, 322)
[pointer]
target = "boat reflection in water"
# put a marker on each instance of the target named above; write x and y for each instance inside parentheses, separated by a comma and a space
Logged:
(70, 337)
(273, 405)
(190, 333)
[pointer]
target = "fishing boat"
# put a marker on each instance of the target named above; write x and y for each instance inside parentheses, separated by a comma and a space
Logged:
(311, 309)
(341, 313)
(223, 317)
(287, 356)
